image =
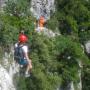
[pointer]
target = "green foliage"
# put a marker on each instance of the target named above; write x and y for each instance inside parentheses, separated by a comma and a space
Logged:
(84, 36)
(52, 23)
(69, 55)
(72, 23)
(73, 13)
(18, 8)
(44, 63)
(12, 24)
(85, 78)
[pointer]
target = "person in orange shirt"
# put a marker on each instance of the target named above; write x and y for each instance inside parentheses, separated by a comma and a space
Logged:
(41, 22)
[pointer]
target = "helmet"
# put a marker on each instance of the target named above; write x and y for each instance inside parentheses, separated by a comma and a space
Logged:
(23, 38)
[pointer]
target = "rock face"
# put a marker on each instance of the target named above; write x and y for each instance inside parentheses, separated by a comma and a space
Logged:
(2, 3)
(6, 82)
(87, 47)
(7, 71)
(47, 32)
(42, 8)
(68, 86)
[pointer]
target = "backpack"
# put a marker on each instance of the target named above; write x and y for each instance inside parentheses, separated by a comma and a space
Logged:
(18, 53)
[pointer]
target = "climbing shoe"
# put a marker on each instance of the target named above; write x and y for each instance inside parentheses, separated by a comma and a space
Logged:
(27, 74)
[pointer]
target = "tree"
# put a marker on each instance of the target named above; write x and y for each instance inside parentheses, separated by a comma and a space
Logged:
(73, 17)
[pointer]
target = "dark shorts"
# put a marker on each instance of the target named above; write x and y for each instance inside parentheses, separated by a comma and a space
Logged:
(23, 62)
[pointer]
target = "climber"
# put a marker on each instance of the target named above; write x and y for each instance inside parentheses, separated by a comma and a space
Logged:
(21, 54)
(41, 22)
